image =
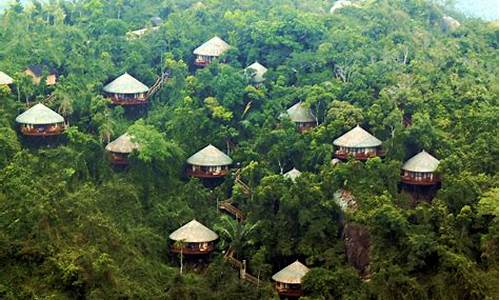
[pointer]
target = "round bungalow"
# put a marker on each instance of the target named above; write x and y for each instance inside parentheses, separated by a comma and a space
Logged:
(120, 149)
(301, 116)
(5, 79)
(209, 162)
(420, 170)
(210, 50)
(126, 90)
(358, 143)
(289, 280)
(257, 71)
(41, 121)
(193, 238)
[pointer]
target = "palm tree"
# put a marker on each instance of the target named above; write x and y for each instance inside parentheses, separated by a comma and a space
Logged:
(236, 235)
(180, 245)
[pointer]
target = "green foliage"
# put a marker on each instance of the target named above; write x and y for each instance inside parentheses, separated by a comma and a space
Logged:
(72, 227)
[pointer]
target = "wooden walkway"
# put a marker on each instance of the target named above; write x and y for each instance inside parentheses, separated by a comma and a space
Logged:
(241, 266)
(228, 207)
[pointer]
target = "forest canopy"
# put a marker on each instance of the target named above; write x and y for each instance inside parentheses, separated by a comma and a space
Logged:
(413, 73)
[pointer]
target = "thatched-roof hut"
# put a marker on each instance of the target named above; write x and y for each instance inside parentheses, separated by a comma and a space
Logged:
(40, 120)
(302, 116)
(258, 71)
(195, 238)
(5, 79)
(420, 170)
(126, 90)
(120, 148)
(210, 50)
(289, 280)
(209, 162)
(359, 144)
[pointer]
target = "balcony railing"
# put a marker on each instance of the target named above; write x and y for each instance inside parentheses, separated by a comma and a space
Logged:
(207, 174)
(128, 101)
(49, 130)
(201, 62)
(289, 292)
(197, 250)
(117, 159)
(420, 181)
(359, 156)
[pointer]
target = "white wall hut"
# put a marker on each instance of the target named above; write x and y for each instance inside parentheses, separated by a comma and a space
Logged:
(359, 144)
(5, 79)
(420, 170)
(301, 116)
(126, 90)
(258, 71)
(339, 5)
(40, 120)
(209, 162)
(449, 24)
(196, 239)
(293, 174)
(289, 280)
(120, 149)
(210, 50)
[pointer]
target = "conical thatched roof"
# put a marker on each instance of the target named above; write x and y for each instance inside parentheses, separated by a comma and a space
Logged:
(125, 84)
(292, 274)
(292, 174)
(39, 115)
(123, 144)
(422, 162)
(194, 232)
(213, 47)
(300, 114)
(210, 156)
(260, 70)
(5, 79)
(357, 138)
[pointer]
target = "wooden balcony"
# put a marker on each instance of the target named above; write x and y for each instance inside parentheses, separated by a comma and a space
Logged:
(290, 292)
(118, 159)
(206, 174)
(344, 155)
(201, 63)
(193, 250)
(420, 181)
(304, 127)
(49, 130)
(128, 101)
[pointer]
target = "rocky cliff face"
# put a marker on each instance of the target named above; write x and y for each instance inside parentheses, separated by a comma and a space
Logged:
(357, 247)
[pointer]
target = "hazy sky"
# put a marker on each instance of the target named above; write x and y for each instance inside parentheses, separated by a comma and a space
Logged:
(486, 9)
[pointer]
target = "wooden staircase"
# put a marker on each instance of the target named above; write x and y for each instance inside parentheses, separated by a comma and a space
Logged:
(228, 207)
(242, 267)
(158, 84)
